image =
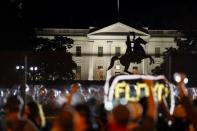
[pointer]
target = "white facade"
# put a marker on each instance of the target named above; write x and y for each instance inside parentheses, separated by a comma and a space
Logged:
(107, 42)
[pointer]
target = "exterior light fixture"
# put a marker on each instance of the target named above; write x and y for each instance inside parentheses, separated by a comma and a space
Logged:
(17, 67)
(35, 68)
(177, 78)
(31, 68)
(186, 80)
(22, 67)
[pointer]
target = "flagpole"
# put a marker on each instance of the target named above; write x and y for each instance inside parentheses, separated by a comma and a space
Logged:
(118, 8)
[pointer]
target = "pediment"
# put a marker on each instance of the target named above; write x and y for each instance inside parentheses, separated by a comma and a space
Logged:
(118, 29)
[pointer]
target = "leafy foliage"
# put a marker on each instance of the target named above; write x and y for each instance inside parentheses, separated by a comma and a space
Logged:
(180, 58)
(59, 43)
(53, 59)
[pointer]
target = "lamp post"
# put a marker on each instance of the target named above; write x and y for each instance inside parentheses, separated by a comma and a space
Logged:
(33, 70)
(20, 69)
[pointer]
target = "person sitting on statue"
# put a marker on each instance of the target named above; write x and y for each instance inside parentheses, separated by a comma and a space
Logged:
(129, 43)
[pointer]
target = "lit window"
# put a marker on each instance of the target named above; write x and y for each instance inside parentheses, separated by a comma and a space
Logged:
(100, 73)
(78, 50)
(78, 73)
(135, 70)
(157, 52)
(100, 51)
(117, 51)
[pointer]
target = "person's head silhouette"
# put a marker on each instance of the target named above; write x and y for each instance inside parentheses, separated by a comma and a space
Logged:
(133, 34)
(128, 38)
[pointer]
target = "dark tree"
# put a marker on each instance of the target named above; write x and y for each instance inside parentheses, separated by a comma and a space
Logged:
(162, 69)
(181, 59)
(53, 60)
(59, 43)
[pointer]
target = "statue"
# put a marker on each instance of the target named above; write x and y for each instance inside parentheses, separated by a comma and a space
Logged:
(134, 53)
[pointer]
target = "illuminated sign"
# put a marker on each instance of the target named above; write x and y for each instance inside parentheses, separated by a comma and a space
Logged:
(160, 91)
(132, 88)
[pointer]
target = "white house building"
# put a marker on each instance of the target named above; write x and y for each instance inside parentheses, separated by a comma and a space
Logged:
(93, 48)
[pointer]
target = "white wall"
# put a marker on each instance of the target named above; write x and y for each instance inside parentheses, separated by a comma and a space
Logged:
(162, 43)
(89, 61)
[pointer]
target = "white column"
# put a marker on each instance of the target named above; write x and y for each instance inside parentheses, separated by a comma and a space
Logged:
(91, 68)
(109, 73)
(91, 63)
(144, 66)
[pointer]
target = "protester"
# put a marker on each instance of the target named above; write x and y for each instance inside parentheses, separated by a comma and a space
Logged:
(83, 118)
(36, 115)
(90, 115)
(13, 119)
(184, 115)
(119, 121)
(64, 121)
(187, 103)
(75, 97)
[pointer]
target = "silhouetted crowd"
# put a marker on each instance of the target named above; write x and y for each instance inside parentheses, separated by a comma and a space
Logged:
(77, 114)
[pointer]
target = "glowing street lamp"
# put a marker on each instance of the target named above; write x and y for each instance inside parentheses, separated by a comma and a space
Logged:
(17, 67)
(177, 78)
(33, 68)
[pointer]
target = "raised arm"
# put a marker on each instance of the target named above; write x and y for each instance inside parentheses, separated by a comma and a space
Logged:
(187, 102)
(151, 116)
(163, 106)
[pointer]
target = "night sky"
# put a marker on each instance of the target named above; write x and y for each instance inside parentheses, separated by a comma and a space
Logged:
(17, 24)
(85, 13)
